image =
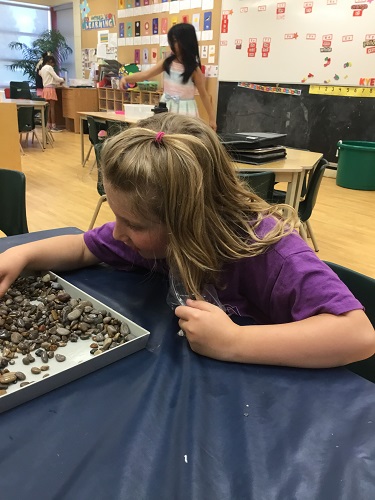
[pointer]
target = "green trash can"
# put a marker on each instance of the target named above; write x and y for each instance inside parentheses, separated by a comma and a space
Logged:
(356, 165)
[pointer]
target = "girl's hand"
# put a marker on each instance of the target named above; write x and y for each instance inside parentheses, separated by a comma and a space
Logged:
(11, 266)
(209, 330)
(123, 83)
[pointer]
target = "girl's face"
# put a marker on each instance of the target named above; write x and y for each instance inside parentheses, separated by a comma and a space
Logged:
(175, 48)
(148, 237)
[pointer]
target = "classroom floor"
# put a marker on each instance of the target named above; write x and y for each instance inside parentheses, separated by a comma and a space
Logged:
(62, 193)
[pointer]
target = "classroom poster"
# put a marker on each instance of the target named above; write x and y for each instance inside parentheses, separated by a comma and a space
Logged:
(137, 28)
(164, 25)
(155, 26)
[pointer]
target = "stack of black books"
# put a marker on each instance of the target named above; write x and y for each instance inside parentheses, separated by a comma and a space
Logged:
(254, 148)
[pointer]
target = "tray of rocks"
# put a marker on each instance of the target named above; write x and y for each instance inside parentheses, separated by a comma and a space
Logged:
(52, 333)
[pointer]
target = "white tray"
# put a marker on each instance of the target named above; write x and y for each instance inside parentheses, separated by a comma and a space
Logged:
(79, 361)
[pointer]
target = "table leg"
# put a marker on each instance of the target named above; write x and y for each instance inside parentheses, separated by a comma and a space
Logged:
(43, 121)
(81, 118)
(299, 189)
(292, 190)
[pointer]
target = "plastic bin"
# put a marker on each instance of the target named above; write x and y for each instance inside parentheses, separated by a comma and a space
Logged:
(356, 165)
(138, 111)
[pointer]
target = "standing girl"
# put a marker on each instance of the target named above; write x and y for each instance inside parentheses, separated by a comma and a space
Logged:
(50, 81)
(182, 74)
(179, 206)
(38, 78)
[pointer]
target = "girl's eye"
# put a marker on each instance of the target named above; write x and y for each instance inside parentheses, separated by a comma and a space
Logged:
(134, 228)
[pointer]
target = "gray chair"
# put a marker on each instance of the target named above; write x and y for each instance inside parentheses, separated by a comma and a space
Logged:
(363, 288)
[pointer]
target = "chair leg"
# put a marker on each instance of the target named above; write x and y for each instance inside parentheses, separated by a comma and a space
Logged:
(93, 166)
(37, 138)
(313, 239)
(87, 156)
(302, 232)
(102, 199)
(22, 151)
(50, 138)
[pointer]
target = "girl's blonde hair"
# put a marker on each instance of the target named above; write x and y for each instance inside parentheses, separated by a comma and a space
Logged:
(187, 180)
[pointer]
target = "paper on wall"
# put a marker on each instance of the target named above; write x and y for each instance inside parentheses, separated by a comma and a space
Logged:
(207, 4)
(101, 50)
(112, 39)
(103, 36)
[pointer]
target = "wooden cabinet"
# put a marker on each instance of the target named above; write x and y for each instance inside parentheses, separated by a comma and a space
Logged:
(114, 100)
(77, 99)
(10, 157)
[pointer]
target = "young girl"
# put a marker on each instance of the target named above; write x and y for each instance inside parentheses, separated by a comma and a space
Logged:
(182, 74)
(38, 78)
(50, 81)
(180, 207)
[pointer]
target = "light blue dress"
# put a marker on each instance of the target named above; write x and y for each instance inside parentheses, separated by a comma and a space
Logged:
(179, 97)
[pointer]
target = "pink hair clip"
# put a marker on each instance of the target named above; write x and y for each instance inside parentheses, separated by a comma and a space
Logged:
(159, 137)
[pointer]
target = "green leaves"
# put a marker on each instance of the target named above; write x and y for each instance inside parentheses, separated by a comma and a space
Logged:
(49, 41)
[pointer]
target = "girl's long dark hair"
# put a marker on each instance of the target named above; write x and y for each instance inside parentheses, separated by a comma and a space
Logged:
(184, 34)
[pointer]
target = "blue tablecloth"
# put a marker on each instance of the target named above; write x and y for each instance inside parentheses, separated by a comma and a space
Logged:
(168, 424)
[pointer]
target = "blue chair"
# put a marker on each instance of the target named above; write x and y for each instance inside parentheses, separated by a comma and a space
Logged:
(363, 288)
(260, 182)
(99, 185)
(13, 202)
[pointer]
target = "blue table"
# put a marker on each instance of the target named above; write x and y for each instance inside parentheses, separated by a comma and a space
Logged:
(168, 424)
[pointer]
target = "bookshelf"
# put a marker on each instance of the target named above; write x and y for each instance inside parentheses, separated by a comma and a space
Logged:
(114, 99)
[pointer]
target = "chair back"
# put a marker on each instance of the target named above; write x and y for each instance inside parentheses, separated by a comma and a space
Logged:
(20, 90)
(306, 206)
(99, 185)
(114, 127)
(26, 122)
(363, 288)
(93, 130)
(261, 183)
(12, 202)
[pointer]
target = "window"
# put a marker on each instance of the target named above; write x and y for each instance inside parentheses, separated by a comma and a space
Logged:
(19, 22)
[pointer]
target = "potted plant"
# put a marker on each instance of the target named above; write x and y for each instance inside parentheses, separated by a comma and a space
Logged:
(48, 41)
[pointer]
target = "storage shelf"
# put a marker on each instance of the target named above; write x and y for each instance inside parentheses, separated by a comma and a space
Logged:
(114, 100)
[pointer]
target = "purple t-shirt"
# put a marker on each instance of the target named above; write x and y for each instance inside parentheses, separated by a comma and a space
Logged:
(286, 283)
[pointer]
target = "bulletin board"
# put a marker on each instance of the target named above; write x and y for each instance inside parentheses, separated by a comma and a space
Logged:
(141, 28)
(306, 42)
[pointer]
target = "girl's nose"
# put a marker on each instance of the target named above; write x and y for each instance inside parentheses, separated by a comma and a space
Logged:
(120, 233)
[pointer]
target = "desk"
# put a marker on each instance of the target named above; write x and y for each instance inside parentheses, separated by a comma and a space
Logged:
(39, 106)
(165, 423)
(100, 116)
(291, 169)
(77, 99)
(10, 155)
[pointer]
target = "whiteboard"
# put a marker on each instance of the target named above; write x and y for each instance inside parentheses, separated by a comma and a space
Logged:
(317, 42)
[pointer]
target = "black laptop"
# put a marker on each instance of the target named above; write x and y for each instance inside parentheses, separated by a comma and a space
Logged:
(254, 147)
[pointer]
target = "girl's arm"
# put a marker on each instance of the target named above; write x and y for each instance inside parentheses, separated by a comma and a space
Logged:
(199, 82)
(320, 341)
(142, 75)
(60, 254)
(55, 76)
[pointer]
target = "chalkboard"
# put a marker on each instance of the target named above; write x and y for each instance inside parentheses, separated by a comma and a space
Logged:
(325, 41)
(313, 122)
